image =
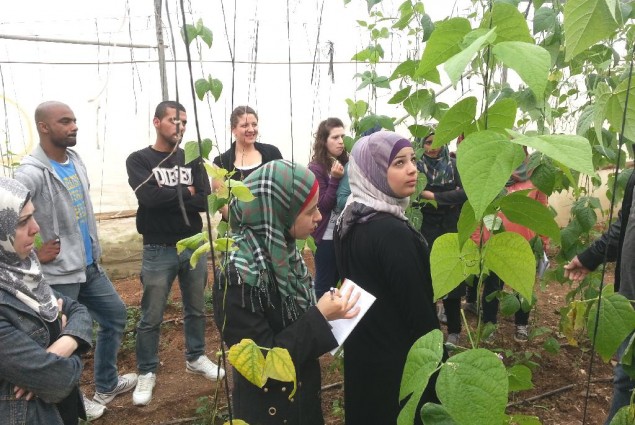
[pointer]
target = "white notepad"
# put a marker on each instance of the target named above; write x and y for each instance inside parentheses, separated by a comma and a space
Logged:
(342, 328)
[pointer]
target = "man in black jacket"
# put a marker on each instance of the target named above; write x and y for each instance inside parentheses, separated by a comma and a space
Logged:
(619, 243)
(160, 179)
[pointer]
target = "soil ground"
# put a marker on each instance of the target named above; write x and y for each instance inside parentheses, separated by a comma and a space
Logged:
(178, 394)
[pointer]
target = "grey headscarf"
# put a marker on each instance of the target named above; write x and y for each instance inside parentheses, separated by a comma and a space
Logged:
(22, 278)
(368, 176)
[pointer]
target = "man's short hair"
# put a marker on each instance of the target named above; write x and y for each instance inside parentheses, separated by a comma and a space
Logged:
(162, 107)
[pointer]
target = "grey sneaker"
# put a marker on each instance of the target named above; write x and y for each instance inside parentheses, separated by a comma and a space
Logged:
(93, 410)
(522, 333)
(143, 391)
(124, 384)
(453, 339)
(206, 367)
(443, 318)
(470, 308)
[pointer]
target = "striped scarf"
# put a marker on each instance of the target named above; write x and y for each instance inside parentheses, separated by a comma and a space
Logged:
(267, 256)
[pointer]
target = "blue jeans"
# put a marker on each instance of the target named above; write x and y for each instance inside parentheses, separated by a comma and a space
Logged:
(623, 384)
(161, 265)
(326, 275)
(106, 308)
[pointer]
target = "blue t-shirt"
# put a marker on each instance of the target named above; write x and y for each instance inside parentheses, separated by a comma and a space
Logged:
(67, 173)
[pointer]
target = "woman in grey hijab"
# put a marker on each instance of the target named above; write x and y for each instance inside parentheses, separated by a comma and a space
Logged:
(380, 251)
(40, 336)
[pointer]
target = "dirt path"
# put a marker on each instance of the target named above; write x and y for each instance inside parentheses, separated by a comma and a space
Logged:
(177, 392)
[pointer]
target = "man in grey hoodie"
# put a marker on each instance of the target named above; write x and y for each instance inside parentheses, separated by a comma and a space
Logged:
(57, 179)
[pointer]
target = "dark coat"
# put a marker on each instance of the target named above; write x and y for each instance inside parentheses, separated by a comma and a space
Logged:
(226, 160)
(249, 314)
(24, 337)
(390, 260)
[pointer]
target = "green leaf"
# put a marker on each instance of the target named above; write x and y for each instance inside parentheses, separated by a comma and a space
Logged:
(509, 256)
(432, 413)
(449, 265)
(501, 115)
(445, 42)
(400, 96)
(419, 101)
(224, 245)
(455, 66)
(508, 304)
(214, 202)
(587, 218)
(356, 110)
(191, 151)
(519, 378)
(207, 36)
(534, 72)
(615, 108)
(544, 19)
(544, 178)
(572, 151)
(423, 359)
(473, 387)
(249, 361)
(585, 23)
(532, 214)
(485, 161)
(624, 416)
(191, 32)
(372, 3)
(616, 322)
(455, 121)
(193, 242)
(408, 68)
(201, 86)
(510, 24)
(215, 87)
(279, 365)
(524, 420)
(196, 255)
(467, 223)
(222, 228)
(242, 193)
(371, 121)
(551, 345)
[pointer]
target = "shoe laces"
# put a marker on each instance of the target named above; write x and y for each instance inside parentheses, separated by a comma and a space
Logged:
(144, 383)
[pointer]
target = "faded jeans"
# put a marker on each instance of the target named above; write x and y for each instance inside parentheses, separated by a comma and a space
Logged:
(106, 308)
(623, 384)
(161, 265)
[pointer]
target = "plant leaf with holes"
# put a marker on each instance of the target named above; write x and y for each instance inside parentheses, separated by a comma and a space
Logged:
(248, 360)
(279, 366)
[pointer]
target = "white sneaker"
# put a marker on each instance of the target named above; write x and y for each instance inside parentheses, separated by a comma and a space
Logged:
(124, 384)
(143, 391)
(93, 410)
(206, 367)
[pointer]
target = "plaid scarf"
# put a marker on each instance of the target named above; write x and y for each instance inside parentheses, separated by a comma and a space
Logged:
(21, 278)
(438, 171)
(267, 257)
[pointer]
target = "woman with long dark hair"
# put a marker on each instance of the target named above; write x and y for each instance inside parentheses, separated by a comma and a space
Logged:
(328, 162)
